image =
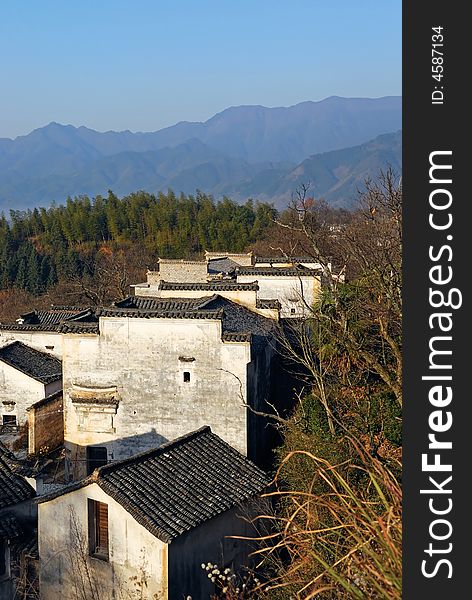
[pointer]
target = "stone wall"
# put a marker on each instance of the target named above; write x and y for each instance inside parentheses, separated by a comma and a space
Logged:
(46, 424)
(184, 271)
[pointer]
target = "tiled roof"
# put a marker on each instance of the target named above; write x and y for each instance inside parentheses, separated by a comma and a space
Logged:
(211, 254)
(96, 400)
(298, 271)
(13, 487)
(39, 365)
(283, 259)
(54, 316)
(58, 320)
(215, 286)
(269, 303)
(239, 319)
(236, 337)
(9, 527)
(180, 261)
(29, 327)
(180, 485)
(235, 318)
(161, 304)
(222, 265)
(80, 327)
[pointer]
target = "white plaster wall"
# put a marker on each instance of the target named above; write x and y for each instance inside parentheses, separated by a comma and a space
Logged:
(44, 341)
(17, 387)
(141, 358)
(292, 292)
(133, 551)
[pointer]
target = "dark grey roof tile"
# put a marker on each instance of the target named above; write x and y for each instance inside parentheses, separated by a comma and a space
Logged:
(215, 286)
(180, 485)
(13, 487)
(39, 365)
(9, 527)
(297, 271)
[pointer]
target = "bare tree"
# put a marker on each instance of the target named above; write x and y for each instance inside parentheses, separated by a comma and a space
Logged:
(363, 316)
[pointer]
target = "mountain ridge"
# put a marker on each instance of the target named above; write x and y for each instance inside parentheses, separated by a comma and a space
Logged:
(238, 143)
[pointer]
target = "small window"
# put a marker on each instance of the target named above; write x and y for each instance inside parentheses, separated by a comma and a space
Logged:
(98, 529)
(292, 311)
(9, 420)
(97, 456)
(186, 376)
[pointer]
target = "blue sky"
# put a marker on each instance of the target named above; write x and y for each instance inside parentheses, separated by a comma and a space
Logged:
(145, 64)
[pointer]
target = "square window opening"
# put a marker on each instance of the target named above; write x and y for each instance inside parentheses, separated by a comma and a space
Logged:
(186, 376)
(97, 456)
(9, 420)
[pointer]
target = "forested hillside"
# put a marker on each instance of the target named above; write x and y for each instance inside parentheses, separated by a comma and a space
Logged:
(41, 247)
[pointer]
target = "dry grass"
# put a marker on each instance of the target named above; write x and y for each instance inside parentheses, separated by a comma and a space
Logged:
(341, 537)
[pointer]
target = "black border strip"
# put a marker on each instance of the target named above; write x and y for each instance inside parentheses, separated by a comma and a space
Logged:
(428, 128)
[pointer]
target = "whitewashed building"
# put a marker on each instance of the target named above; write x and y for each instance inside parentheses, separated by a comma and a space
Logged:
(42, 329)
(151, 368)
(142, 527)
(296, 288)
(27, 375)
(284, 287)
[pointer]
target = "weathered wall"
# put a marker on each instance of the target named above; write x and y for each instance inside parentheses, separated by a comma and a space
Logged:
(46, 424)
(18, 392)
(208, 543)
(135, 555)
(182, 271)
(292, 291)
(44, 341)
(146, 359)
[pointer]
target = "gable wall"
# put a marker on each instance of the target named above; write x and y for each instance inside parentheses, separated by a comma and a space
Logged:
(289, 290)
(45, 341)
(141, 358)
(135, 554)
(17, 387)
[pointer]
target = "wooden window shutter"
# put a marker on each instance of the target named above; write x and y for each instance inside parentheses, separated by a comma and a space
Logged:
(101, 520)
(98, 529)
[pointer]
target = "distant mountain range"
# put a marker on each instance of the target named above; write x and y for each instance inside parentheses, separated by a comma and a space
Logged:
(245, 151)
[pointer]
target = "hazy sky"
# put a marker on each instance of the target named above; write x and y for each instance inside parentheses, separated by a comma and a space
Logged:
(145, 64)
